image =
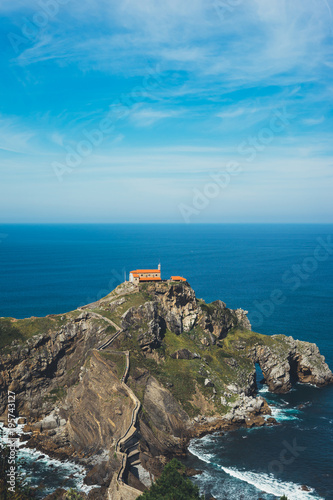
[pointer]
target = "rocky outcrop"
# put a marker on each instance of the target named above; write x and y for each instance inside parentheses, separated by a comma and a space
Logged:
(179, 307)
(163, 427)
(180, 311)
(310, 365)
(217, 320)
(164, 411)
(248, 410)
(185, 354)
(45, 363)
(287, 361)
(149, 326)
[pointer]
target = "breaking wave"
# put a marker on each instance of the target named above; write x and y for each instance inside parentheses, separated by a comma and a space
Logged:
(67, 473)
(263, 482)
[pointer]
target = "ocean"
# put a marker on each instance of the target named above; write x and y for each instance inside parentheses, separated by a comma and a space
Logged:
(50, 269)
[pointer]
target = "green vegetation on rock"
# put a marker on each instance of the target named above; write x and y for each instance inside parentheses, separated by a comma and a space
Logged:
(172, 485)
(23, 329)
(73, 495)
(117, 359)
(56, 394)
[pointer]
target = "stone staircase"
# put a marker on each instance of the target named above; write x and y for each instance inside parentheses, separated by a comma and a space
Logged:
(127, 446)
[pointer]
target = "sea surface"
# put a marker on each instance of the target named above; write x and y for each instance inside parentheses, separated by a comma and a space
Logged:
(281, 274)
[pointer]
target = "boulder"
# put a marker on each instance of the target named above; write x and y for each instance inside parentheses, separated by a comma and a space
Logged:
(185, 354)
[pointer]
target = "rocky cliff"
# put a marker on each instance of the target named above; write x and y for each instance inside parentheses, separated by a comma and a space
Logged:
(191, 366)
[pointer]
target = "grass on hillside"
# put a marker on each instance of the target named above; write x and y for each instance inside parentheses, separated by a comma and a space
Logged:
(224, 364)
(118, 361)
(131, 300)
(23, 329)
(182, 376)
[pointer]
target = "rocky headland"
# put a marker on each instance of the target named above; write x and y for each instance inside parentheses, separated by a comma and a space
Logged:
(123, 384)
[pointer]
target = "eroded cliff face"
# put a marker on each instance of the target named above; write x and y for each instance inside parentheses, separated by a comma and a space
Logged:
(98, 409)
(147, 324)
(217, 320)
(176, 308)
(191, 366)
(46, 362)
(287, 361)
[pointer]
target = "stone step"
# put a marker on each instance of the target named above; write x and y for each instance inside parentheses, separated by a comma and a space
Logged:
(135, 462)
(133, 453)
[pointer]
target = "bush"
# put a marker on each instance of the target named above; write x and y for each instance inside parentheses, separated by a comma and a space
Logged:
(73, 495)
(172, 485)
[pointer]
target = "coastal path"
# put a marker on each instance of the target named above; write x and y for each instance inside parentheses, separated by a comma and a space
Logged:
(127, 445)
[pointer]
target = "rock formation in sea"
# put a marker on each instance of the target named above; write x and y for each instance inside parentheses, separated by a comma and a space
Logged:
(122, 384)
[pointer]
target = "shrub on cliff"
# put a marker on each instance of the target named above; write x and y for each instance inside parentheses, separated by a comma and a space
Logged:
(73, 495)
(172, 485)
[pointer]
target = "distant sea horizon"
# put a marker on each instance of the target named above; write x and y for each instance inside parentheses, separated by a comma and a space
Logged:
(281, 273)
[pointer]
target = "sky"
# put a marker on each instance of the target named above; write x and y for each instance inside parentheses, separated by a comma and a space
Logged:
(186, 111)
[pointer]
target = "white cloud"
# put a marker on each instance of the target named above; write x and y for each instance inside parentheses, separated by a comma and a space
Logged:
(57, 139)
(262, 56)
(313, 121)
(231, 114)
(257, 42)
(144, 117)
(15, 137)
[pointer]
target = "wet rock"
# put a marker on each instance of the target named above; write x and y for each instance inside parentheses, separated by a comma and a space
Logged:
(24, 437)
(271, 421)
(99, 474)
(192, 472)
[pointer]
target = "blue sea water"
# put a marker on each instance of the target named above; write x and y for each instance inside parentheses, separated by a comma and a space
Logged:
(281, 274)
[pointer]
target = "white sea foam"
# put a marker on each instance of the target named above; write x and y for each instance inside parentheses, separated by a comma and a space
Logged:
(269, 484)
(262, 481)
(204, 457)
(308, 384)
(281, 414)
(285, 402)
(66, 467)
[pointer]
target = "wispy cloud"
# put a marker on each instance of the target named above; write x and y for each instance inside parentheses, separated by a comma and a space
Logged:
(314, 121)
(231, 114)
(144, 117)
(14, 137)
(269, 40)
(212, 84)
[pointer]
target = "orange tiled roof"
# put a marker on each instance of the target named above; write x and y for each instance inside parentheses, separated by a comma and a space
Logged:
(153, 278)
(146, 271)
(177, 278)
(135, 275)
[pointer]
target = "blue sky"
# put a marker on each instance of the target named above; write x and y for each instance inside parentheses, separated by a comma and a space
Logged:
(191, 111)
